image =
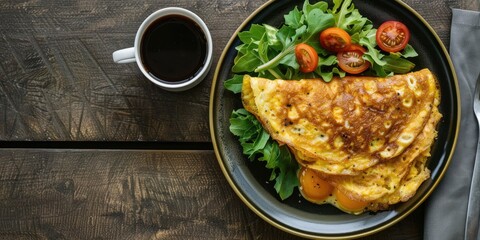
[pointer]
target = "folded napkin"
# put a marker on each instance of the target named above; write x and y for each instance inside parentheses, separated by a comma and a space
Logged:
(446, 209)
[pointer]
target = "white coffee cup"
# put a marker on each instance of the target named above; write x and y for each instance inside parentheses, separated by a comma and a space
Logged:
(198, 70)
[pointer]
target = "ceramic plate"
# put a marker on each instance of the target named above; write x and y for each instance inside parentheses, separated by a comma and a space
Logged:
(295, 215)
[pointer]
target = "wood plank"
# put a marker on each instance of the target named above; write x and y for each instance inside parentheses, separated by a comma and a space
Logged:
(92, 194)
(59, 82)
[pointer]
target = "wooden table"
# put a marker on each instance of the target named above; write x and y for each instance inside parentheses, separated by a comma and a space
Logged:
(92, 150)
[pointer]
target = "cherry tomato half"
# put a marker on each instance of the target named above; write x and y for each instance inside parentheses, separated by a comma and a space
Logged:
(392, 36)
(307, 57)
(351, 60)
(335, 39)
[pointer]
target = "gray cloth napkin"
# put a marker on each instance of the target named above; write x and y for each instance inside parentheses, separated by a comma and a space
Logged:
(446, 209)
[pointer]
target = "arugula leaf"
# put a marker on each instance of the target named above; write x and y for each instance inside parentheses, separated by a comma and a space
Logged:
(394, 63)
(271, 37)
(347, 17)
(246, 63)
(234, 84)
(294, 18)
(373, 54)
(255, 32)
(284, 35)
(317, 20)
(409, 52)
(285, 169)
(307, 6)
(327, 73)
(257, 144)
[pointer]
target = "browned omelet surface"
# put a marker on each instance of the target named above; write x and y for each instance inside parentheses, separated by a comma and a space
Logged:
(369, 137)
(386, 178)
(346, 125)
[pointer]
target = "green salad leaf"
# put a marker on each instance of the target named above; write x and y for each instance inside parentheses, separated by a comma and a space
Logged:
(266, 51)
(234, 84)
(257, 144)
(348, 18)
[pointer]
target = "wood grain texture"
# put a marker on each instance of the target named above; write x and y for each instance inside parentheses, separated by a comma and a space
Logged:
(58, 80)
(120, 195)
(91, 194)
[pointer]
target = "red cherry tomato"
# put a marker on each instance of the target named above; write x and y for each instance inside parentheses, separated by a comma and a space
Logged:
(392, 36)
(351, 60)
(307, 57)
(335, 39)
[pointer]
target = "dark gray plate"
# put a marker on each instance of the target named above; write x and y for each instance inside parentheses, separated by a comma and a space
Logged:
(295, 215)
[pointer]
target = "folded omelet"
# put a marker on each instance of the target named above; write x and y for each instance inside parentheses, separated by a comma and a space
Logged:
(346, 125)
(369, 137)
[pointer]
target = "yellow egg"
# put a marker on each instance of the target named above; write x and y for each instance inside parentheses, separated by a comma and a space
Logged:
(362, 141)
(313, 186)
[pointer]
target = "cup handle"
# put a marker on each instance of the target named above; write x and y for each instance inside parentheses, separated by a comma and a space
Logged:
(126, 55)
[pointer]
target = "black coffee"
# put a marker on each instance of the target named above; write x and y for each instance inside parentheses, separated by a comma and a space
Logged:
(173, 48)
